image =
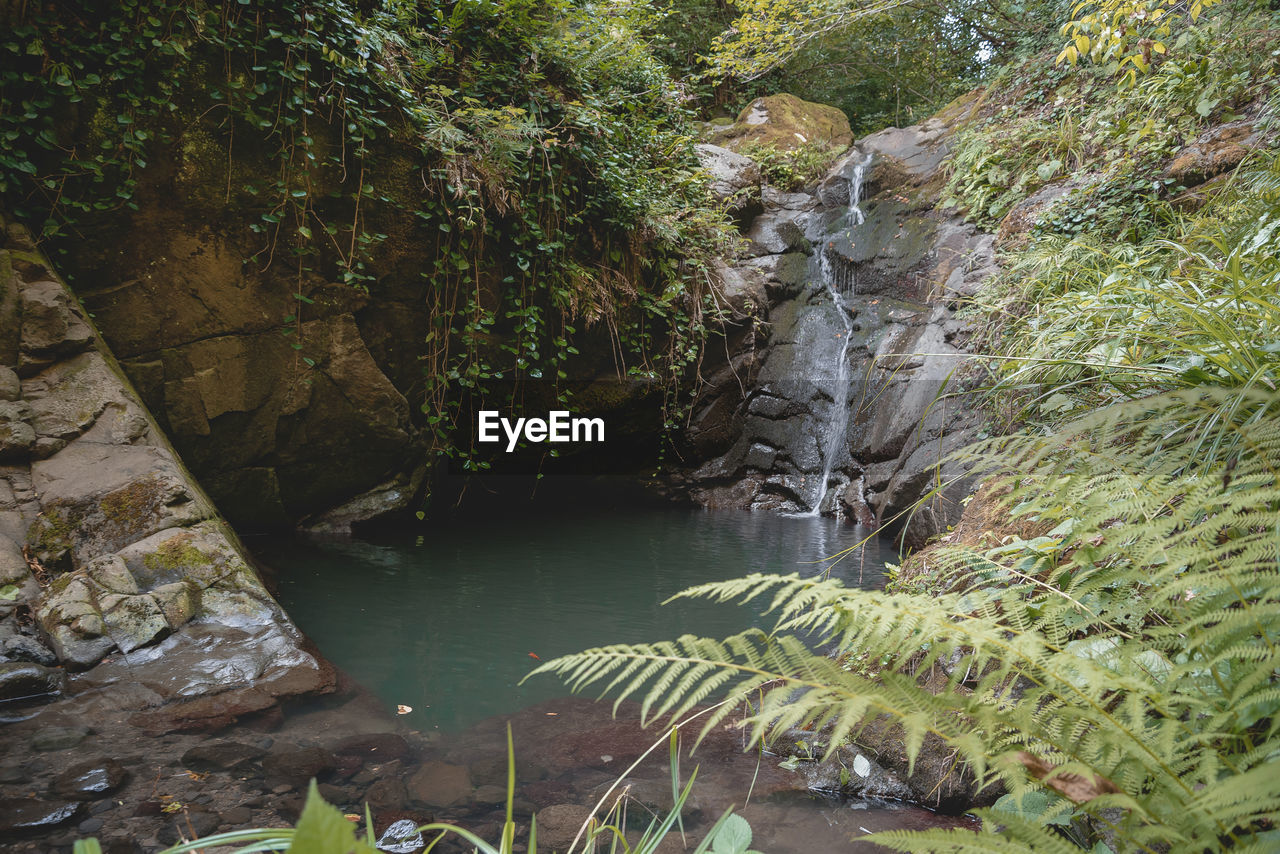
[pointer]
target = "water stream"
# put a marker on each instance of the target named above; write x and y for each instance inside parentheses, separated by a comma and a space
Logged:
(838, 288)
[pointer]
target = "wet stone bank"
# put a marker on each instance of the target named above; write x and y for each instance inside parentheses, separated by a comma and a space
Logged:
(63, 780)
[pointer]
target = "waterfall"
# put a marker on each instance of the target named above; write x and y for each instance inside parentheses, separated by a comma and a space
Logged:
(837, 425)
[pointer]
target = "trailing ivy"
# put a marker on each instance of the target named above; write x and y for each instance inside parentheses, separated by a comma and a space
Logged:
(532, 157)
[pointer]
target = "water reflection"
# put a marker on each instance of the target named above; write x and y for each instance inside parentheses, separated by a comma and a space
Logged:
(450, 622)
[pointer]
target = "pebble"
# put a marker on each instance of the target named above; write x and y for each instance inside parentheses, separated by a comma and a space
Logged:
(94, 778)
(99, 807)
(90, 825)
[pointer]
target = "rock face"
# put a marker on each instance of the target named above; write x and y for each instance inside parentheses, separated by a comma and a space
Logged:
(106, 540)
(848, 397)
(279, 419)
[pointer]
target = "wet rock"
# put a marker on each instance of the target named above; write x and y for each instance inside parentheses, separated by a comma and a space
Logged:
(221, 756)
(490, 795)
(178, 602)
(388, 793)
(852, 773)
(297, 765)
(58, 737)
(439, 784)
(401, 837)
(24, 648)
(91, 779)
(937, 781)
(28, 814)
(193, 821)
(90, 826)
(383, 502)
(71, 620)
(335, 795)
(13, 774)
(24, 680)
(559, 824)
(918, 151)
(374, 746)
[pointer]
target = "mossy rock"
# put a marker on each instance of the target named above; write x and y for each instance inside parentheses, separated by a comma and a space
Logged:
(786, 122)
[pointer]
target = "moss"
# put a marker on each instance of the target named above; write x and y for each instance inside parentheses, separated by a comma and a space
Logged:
(130, 506)
(60, 583)
(51, 534)
(177, 553)
(818, 124)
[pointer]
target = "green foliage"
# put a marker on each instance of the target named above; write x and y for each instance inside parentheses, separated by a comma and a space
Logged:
(1197, 305)
(1127, 660)
(1126, 34)
(1045, 124)
(532, 160)
(890, 67)
(791, 170)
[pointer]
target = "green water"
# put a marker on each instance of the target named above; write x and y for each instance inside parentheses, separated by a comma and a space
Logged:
(447, 623)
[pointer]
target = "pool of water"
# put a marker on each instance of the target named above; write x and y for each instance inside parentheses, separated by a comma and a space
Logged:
(451, 621)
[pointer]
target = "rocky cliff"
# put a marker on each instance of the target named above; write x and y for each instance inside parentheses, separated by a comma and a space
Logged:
(854, 366)
(114, 564)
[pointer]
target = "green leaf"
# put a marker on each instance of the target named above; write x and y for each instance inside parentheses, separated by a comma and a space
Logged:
(733, 837)
(322, 829)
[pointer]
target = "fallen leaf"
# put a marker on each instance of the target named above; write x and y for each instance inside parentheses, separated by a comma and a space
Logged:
(1074, 787)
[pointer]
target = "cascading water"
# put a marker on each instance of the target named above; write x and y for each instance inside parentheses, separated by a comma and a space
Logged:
(837, 425)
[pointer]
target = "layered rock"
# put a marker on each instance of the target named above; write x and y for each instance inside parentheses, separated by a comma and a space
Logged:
(876, 287)
(105, 539)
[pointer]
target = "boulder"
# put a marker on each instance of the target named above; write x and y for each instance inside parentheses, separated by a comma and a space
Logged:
(297, 765)
(439, 784)
(733, 175)
(559, 824)
(786, 122)
(13, 565)
(914, 153)
(850, 773)
(1214, 152)
(90, 779)
(52, 324)
(10, 386)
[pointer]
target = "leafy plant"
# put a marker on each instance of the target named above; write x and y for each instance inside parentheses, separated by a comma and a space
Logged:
(1126, 662)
